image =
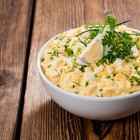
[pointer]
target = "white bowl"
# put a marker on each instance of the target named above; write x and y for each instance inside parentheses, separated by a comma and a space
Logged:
(106, 108)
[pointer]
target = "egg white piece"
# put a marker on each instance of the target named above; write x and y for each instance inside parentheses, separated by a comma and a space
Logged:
(94, 50)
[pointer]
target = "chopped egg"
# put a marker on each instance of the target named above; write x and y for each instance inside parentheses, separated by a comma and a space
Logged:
(81, 62)
(55, 62)
(109, 70)
(92, 53)
(69, 61)
(135, 51)
(96, 70)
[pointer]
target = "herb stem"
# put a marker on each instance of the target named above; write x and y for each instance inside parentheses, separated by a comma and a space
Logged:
(88, 31)
(119, 35)
(123, 22)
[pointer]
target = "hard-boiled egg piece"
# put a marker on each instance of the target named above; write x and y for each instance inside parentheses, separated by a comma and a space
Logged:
(94, 50)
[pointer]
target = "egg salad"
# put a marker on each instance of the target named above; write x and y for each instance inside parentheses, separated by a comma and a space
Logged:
(100, 60)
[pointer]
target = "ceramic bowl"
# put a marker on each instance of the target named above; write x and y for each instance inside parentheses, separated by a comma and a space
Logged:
(106, 108)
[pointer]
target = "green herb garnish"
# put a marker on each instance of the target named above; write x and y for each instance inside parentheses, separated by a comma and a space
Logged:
(97, 96)
(137, 34)
(100, 95)
(42, 59)
(69, 51)
(84, 42)
(49, 66)
(101, 90)
(134, 81)
(76, 92)
(49, 52)
(55, 52)
(82, 68)
(107, 77)
(76, 83)
(123, 22)
(119, 45)
(135, 66)
(79, 50)
(60, 37)
(111, 21)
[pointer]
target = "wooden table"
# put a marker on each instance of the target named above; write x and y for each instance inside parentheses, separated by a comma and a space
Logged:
(26, 110)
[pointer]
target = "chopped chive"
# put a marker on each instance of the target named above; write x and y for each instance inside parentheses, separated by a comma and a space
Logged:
(49, 66)
(135, 66)
(51, 57)
(102, 95)
(119, 35)
(123, 22)
(55, 52)
(60, 37)
(82, 68)
(96, 75)
(114, 74)
(73, 86)
(97, 95)
(69, 51)
(107, 77)
(138, 72)
(79, 50)
(95, 29)
(49, 52)
(76, 92)
(83, 42)
(87, 83)
(134, 81)
(61, 70)
(42, 59)
(76, 83)
(101, 90)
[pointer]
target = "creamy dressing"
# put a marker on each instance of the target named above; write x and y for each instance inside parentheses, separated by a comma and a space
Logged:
(71, 65)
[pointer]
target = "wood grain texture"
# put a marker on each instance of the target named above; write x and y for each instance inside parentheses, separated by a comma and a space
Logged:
(42, 118)
(14, 29)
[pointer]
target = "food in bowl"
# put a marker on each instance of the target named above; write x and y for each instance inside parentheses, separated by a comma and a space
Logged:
(101, 60)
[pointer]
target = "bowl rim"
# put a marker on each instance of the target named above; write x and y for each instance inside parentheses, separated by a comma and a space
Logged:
(77, 96)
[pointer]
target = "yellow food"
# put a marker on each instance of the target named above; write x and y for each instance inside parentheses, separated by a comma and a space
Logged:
(105, 80)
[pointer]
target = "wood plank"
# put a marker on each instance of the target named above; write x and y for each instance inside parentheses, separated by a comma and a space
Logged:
(42, 118)
(14, 29)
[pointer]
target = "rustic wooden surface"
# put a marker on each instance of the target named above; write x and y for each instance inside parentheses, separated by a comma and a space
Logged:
(14, 30)
(26, 110)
